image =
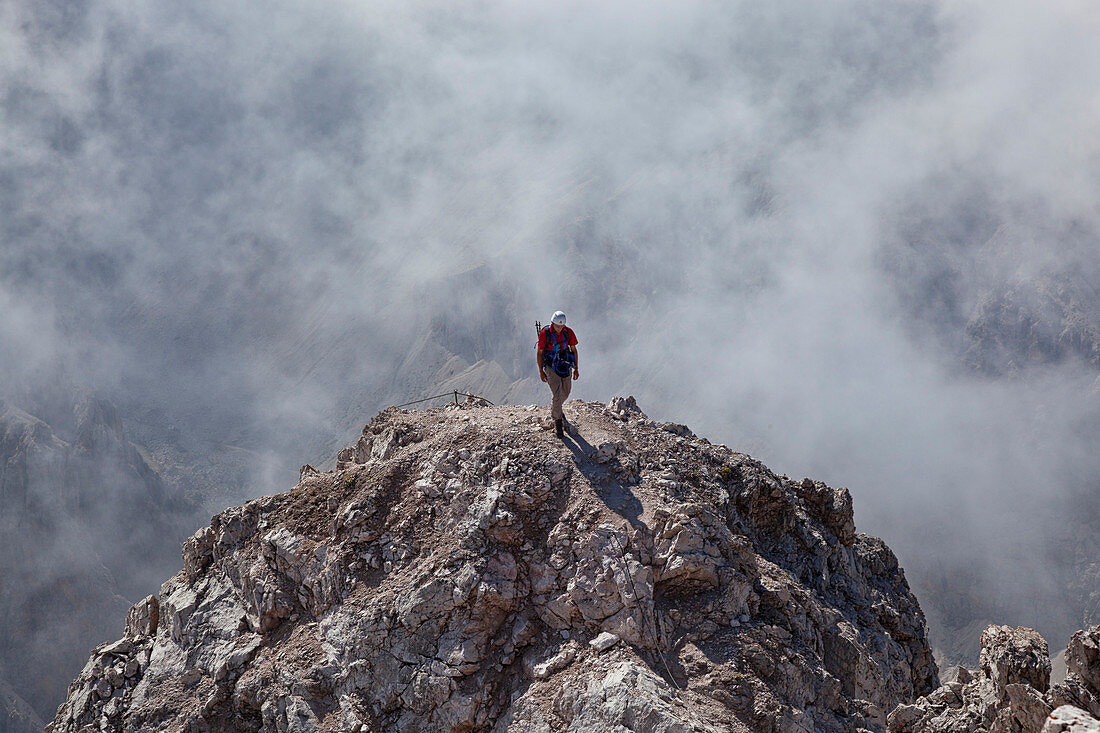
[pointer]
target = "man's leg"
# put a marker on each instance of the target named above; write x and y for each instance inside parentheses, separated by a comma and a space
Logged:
(560, 389)
(555, 383)
(566, 387)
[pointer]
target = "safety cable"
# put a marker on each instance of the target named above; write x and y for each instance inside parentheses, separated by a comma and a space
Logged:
(641, 609)
(455, 393)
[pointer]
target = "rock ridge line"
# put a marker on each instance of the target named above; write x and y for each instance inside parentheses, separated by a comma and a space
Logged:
(462, 569)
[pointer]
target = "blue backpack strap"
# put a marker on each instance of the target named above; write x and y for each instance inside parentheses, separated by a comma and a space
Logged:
(551, 339)
(559, 351)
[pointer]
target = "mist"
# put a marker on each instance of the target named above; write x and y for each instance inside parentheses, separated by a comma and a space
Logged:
(774, 223)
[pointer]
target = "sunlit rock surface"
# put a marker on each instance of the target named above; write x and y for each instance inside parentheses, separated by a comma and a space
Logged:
(463, 569)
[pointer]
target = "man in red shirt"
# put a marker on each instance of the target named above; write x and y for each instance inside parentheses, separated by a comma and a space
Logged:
(558, 362)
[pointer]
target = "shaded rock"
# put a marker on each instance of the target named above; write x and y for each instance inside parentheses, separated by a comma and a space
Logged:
(1083, 656)
(76, 476)
(1014, 656)
(16, 715)
(143, 617)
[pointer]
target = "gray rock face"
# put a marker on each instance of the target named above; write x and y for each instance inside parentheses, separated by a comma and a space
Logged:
(1081, 687)
(1012, 690)
(1015, 656)
(1083, 657)
(462, 569)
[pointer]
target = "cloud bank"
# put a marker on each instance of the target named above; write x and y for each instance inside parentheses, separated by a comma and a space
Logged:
(772, 222)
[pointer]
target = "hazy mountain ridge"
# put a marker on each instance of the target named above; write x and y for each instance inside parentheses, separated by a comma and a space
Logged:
(1002, 296)
(16, 714)
(86, 524)
(1008, 315)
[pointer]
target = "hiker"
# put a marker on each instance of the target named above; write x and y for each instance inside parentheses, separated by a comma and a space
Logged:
(557, 360)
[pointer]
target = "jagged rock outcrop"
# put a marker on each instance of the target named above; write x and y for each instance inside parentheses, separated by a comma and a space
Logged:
(462, 569)
(1011, 692)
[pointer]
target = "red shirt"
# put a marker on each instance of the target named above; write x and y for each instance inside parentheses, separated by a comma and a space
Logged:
(546, 339)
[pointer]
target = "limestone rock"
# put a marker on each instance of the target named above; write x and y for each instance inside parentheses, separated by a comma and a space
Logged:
(1083, 656)
(1081, 688)
(1010, 691)
(625, 406)
(1015, 655)
(143, 617)
(626, 697)
(446, 574)
(1068, 719)
(556, 663)
(604, 641)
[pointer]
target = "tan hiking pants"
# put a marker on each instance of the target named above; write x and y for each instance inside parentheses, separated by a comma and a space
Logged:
(559, 387)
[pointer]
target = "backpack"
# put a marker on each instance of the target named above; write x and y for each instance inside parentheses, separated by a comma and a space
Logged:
(558, 357)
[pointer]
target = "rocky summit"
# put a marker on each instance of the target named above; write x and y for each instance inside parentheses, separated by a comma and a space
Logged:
(462, 569)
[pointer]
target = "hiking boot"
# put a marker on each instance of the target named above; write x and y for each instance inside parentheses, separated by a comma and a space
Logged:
(559, 427)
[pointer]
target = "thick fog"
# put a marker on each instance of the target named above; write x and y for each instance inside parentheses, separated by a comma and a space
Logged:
(771, 221)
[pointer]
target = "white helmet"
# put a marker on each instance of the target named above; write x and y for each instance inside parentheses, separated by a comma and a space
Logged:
(559, 318)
